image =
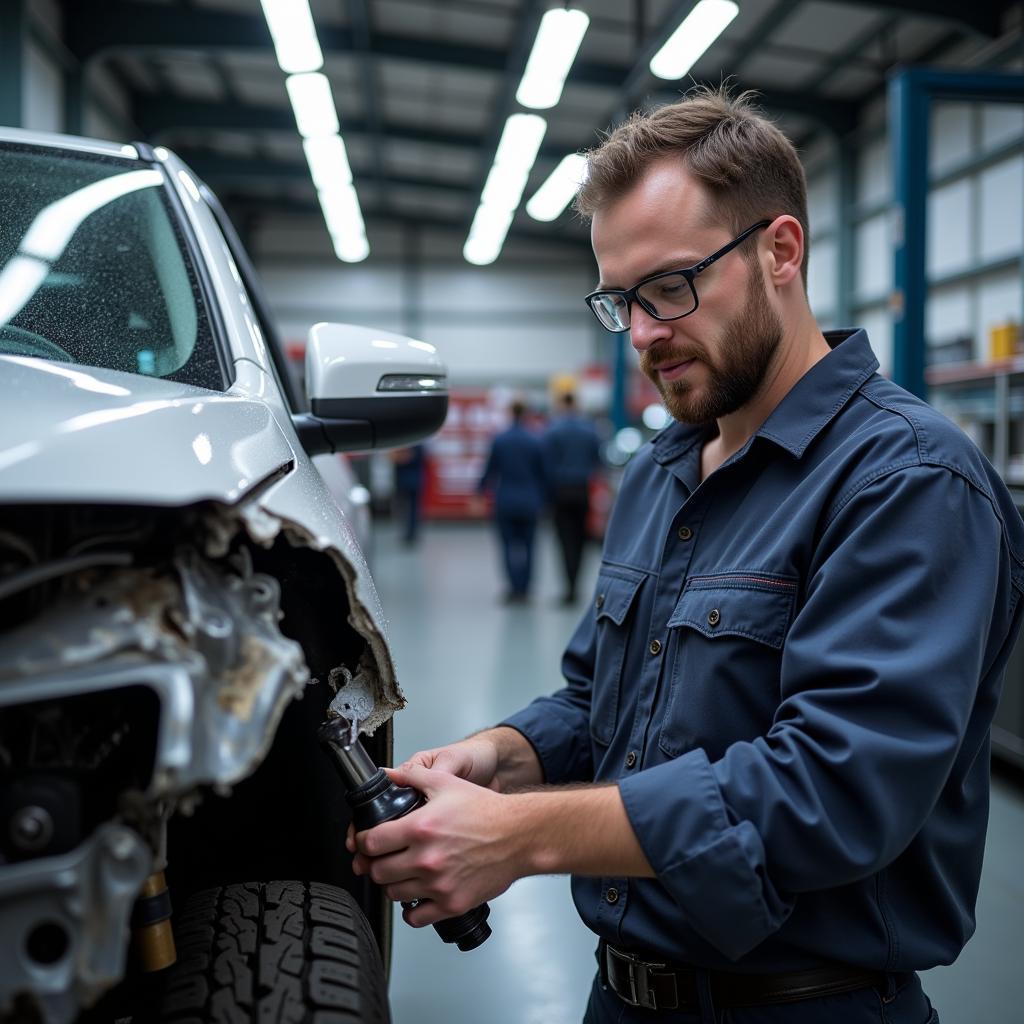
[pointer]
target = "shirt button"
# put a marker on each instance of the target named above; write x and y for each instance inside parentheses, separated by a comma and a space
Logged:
(655, 646)
(612, 895)
(630, 759)
(600, 601)
(685, 533)
(714, 617)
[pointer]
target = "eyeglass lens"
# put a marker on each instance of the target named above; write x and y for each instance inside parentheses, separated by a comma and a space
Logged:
(665, 298)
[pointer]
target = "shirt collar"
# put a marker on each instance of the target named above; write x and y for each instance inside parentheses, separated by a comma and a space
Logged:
(816, 398)
(809, 406)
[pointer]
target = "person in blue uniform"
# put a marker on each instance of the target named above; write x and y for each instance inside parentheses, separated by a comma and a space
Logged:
(410, 464)
(782, 692)
(515, 474)
(572, 454)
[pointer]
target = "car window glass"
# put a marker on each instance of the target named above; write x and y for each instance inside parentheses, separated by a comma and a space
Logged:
(93, 269)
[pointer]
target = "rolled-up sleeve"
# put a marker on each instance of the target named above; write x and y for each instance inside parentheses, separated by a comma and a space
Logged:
(906, 610)
(558, 727)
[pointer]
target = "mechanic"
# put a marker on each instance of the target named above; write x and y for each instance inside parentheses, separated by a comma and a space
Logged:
(572, 455)
(779, 702)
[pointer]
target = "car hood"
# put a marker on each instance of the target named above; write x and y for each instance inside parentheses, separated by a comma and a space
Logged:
(81, 434)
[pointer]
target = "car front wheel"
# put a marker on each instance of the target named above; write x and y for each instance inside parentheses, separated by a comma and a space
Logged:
(275, 951)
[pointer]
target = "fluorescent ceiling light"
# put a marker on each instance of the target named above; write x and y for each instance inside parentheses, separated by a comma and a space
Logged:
(503, 190)
(328, 160)
(504, 186)
(558, 39)
(351, 250)
(555, 194)
(701, 27)
(520, 140)
(312, 104)
(487, 234)
(295, 42)
(340, 206)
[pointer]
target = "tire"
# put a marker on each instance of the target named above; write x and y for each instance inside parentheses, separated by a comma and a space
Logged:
(271, 952)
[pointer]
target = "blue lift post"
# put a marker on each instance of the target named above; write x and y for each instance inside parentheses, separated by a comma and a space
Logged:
(911, 93)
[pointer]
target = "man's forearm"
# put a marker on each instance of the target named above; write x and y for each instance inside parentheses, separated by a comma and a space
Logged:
(518, 765)
(580, 830)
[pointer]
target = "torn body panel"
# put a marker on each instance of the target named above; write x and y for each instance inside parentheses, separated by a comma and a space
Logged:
(201, 632)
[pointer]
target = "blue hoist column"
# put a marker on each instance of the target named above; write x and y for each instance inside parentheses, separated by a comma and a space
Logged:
(911, 93)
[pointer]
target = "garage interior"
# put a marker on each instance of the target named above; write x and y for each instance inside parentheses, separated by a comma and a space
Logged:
(422, 91)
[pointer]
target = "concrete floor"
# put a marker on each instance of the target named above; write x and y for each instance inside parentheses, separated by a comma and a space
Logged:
(464, 661)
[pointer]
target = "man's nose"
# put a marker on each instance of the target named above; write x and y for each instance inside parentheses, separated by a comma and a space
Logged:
(644, 329)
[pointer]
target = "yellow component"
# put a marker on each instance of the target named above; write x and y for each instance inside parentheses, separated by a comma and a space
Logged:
(155, 942)
(1002, 340)
(562, 383)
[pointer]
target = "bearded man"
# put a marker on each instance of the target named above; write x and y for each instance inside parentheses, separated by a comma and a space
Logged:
(768, 770)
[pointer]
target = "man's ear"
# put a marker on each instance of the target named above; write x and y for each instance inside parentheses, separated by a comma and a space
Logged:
(784, 239)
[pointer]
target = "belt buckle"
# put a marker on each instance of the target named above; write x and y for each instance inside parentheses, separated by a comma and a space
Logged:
(640, 992)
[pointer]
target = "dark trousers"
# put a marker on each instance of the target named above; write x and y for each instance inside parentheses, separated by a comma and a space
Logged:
(570, 512)
(408, 501)
(517, 532)
(906, 1005)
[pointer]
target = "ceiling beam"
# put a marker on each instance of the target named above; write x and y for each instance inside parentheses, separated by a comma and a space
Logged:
(636, 81)
(762, 32)
(249, 206)
(528, 17)
(983, 19)
(158, 115)
(853, 49)
(835, 114)
(216, 167)
(103, 28)
(362, 32)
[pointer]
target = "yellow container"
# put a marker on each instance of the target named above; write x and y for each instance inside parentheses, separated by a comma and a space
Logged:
(1002, 341)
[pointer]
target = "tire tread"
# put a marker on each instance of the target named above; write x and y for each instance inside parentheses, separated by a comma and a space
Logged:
(269, 952)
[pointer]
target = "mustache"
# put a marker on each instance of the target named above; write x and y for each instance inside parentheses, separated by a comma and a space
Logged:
(666, 355)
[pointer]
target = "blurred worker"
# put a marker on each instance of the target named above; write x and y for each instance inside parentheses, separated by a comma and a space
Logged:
(784, 687)
(571, 456)
(409, 466)
(515, 473)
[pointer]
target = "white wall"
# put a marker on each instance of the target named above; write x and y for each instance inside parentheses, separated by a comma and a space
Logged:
(514, 325)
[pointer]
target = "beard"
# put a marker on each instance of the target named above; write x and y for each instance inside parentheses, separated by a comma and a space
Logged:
(745, 351)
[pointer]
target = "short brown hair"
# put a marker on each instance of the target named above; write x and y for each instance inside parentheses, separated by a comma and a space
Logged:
(749, 168)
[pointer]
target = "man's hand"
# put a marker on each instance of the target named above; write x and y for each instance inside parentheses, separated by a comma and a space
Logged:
(496, 759)
(474, 759)
(459, 849)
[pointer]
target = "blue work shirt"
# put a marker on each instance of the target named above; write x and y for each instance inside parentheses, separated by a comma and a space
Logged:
(515, 471)
(572, 451)
(790, 670)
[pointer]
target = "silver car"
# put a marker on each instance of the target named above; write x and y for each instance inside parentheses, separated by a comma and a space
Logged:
(174, 574)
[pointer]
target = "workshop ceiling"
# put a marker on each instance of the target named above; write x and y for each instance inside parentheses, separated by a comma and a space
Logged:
(423, 87)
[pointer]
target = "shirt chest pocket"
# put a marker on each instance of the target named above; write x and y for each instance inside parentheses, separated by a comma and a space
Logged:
(616, 595)
(724, 682)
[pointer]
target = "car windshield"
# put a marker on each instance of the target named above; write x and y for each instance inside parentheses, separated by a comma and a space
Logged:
(93, 268)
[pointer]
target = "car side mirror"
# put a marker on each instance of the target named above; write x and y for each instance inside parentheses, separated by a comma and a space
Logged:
(369, 389)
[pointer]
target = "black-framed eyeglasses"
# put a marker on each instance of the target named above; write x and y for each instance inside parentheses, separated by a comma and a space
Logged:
(667, 296)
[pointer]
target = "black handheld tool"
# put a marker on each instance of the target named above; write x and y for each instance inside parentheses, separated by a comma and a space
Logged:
(374, 799)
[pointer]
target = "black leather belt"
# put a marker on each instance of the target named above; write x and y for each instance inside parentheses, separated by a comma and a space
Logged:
(643, 981)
